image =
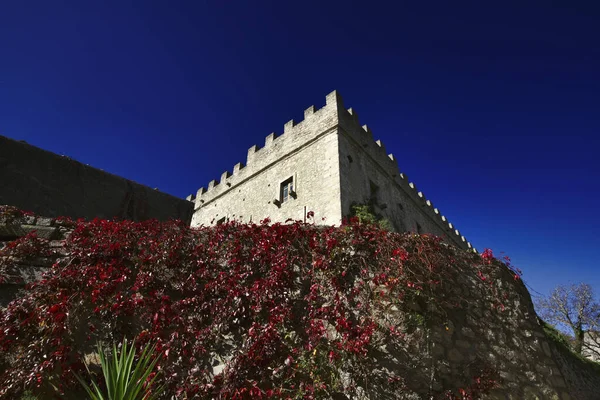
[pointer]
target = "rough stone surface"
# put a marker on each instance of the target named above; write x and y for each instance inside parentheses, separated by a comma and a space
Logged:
(581, 379)
(306, 152)
(335, 164)
(23, 271)
(370, 176)
(509, 338)
(52, 185)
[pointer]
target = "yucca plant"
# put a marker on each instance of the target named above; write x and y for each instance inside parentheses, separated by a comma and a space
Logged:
(125, 380)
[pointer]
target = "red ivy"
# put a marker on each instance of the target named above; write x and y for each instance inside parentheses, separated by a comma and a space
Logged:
(283, 307)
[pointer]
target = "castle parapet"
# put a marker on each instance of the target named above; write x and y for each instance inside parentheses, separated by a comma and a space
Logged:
(317, 121)
(363, 136)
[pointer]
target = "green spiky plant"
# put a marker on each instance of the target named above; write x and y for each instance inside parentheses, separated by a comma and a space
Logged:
(125, 380)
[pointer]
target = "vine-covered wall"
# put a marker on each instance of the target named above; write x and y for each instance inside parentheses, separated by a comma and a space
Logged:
(275, 311)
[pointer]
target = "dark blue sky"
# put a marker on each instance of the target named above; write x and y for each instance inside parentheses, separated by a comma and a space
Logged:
(493, 111)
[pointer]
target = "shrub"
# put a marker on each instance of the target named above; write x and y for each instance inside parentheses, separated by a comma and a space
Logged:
(366, 215)
(124, 379)
(282, 310)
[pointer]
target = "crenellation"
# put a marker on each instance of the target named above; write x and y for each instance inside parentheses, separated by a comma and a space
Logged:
(354, 115)
(350, 126)
(367, 130)
(288, 126)
(279, 146)
(258, 156)
(252, 154)
(238, 167)
(224, 176)
(252, 150)
(393, 166)
(333, 121)
(269, 139)
(309, 112)
(335, 99)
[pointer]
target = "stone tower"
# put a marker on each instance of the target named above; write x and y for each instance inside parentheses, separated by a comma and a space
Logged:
(324, 164)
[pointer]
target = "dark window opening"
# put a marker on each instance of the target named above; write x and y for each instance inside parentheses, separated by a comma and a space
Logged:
(286, 190)
(400, 206)
(221, 221)
(350, 159)
(374, 188)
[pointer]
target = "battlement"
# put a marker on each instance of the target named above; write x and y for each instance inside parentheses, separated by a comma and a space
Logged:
(363, 136)
(316, 123)
(333, 117)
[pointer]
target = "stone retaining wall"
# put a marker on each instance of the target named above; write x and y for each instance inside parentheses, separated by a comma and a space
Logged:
(484, 321)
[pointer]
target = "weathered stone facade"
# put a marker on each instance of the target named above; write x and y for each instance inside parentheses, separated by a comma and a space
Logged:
(333, 163)
(21, 271)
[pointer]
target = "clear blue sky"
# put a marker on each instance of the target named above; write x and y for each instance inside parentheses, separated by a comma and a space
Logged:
(493, 111)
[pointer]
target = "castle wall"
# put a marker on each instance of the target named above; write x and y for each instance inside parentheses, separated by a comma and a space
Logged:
(370, 176)
(53, 185)
(306, 151)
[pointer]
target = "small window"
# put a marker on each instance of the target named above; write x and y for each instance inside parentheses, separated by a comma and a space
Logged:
(221, 221)
(286, 190)
(350, 159)
(400, 206)
(374, 188)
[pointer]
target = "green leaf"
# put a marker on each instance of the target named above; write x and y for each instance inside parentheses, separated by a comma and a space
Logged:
(124, 377)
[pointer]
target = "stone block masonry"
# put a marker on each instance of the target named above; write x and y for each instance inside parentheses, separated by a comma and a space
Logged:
(306, 152)
(332, 163)
(23, 271)
(53, 185)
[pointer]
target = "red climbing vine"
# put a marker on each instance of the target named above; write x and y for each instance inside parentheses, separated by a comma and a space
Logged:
(238, 310)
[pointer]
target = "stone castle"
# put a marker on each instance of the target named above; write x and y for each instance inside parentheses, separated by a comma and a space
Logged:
(325, 164)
